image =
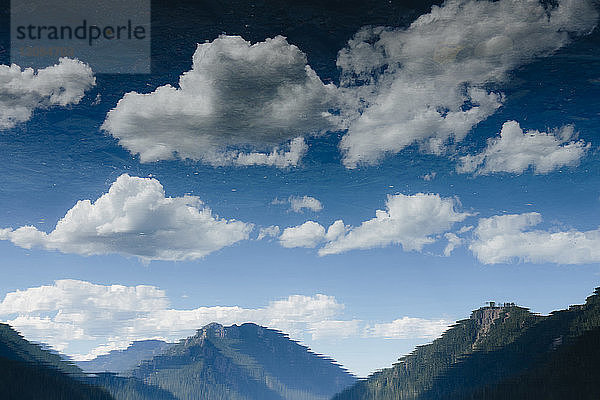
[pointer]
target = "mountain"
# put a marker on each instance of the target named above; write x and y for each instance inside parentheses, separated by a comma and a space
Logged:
(30, 372)
(246, 362)
(503, 352)
(124, 360)
(128, 388)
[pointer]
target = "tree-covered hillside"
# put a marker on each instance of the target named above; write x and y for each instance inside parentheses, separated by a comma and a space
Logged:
(498, 353)
(27, 371)
(128, 388)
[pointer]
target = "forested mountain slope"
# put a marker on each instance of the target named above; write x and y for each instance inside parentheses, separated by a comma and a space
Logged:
(501, 352)
(27, 371)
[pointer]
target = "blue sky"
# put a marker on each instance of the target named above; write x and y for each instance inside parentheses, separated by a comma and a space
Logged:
(386, 290)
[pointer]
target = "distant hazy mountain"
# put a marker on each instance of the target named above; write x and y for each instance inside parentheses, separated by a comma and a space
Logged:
(498, 353)
(123, 360)
(27, 371)
(243, 362)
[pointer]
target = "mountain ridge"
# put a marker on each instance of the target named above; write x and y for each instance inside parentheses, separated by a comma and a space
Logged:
(246, 362)
(479, 355)
(31, 372)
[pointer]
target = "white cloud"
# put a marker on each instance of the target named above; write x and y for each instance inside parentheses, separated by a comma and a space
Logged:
(298, 204)
(268, 232)
(136, 218)
(515, 151)
(277, 201)
(336, 230)
(427, 84)
(86, 319)
(276, 158)
(336, 329)
(454, 241)
(430, 176)
(24, 90)
(309, 234)
(505, 238)
(47, 330)
(70, 295)
(237, 94)
(407, 327)
(411, 221)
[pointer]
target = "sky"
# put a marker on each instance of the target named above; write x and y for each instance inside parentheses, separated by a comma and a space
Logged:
(357, 175)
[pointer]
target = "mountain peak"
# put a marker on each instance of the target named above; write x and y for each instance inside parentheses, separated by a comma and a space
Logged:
(216, 330)
(244, 361)
(594, 298)
(485, 316)
(213, 329)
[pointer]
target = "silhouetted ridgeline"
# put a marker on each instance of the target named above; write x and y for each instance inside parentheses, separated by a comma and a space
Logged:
(498, 353)
(29, 372)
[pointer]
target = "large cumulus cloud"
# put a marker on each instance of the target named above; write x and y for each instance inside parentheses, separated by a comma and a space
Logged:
(237, 96)
(24, 90)
(136, 218)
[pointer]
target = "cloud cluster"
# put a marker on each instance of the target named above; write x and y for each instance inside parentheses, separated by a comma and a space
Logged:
(411, 221)
(135, 218)
(237, 95)
(428, 83)
(505, 238)
(515, 151)
(24, 90)
(86, 319)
